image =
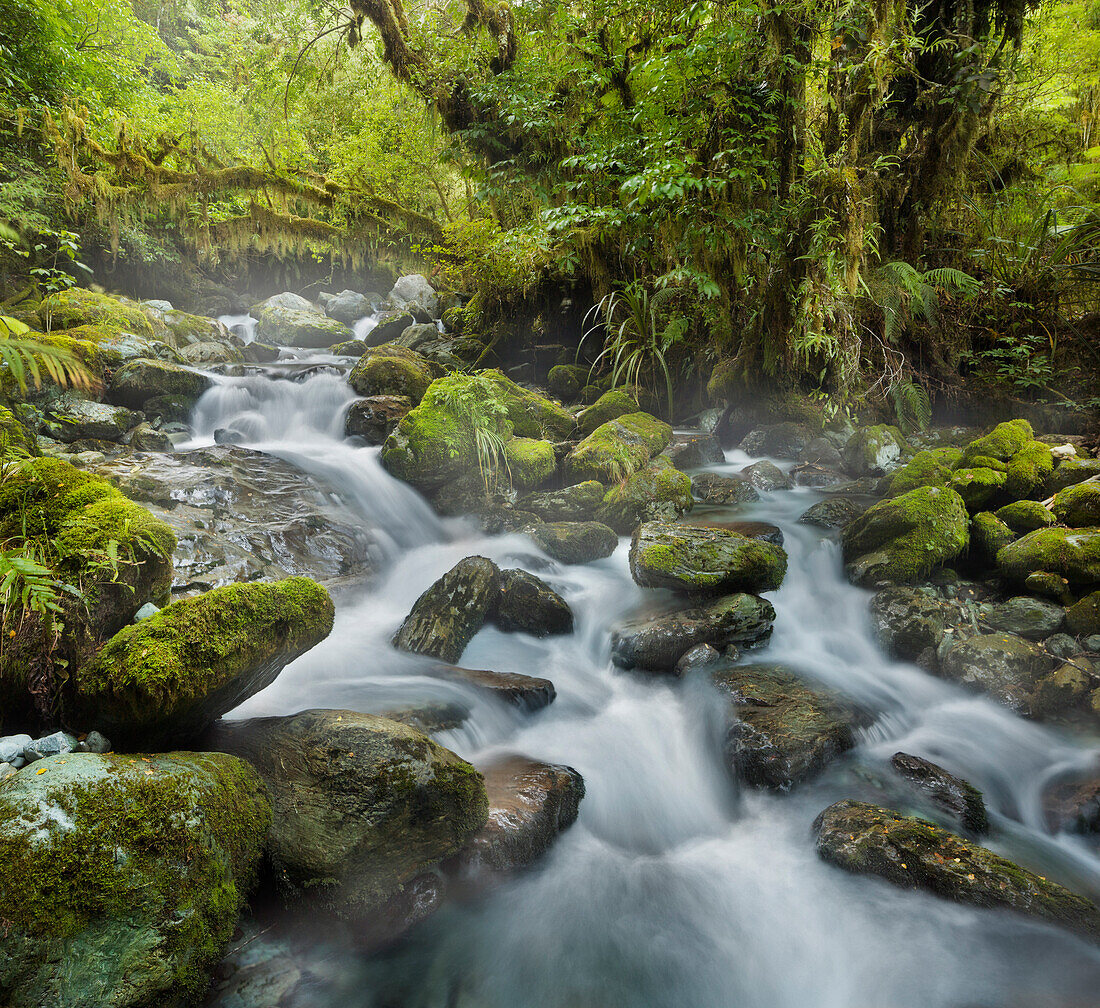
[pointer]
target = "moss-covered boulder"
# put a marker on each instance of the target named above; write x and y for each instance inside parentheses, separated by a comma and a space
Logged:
(1001, 665)
(779, 732)
(657, 492)
(139, 380)
(873, 451)
(391, 370)
(976, 486)
(916, 854)
(578, 502)
(1025, 516)
(123, 876)
(179, 329)
(988, 536)
(575, 542)
(290, 327)
(566, 381)
(530, 462)
(610, 406)
(1078, 506)
(931, 467)
(1029, 470)
(617, 449)
(1083, 617)
(77, 307)
(16, 441)
(901, 539)
(530, 414)
(73, 418)
(166, 679)
(1069, 473)
(364, 807)
(1073, 554)
(1004, 441)
(704, 560)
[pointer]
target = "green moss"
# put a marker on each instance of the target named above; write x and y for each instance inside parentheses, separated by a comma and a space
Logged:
(610, 406)
(1004, 441)
(77, 307)
(1070, 473)
(530, 463)
(531, 415)
(391, 369)
(15, 440)
(689, 559)
(566, 381)
(1078, 506)
(1070, 553)
(658, 491)
(1025, 516)
(986, 462)
(976, 486)
(181, 329)
(873, 450)
(159, 852)
(165, 675)
(932, 467)
(1083, 617)
(618, 448)
(903, 538)
(1029, 470)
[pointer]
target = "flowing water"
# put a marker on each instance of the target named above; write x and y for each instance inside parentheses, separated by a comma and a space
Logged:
(674, 887)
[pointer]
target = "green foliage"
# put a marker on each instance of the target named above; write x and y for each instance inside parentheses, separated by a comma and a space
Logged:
(475, 403)
(26, 357)
(912, 407)
(903, 292)
(27, 586)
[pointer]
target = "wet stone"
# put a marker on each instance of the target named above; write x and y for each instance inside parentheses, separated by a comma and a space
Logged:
(952, 794)
(713, 488)
(766, 477)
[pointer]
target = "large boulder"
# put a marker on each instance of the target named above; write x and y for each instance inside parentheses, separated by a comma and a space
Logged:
(1078, 506)
(786, 440)
(873, 451)
(179, 329)
(349, 306)
(617, 449)
(286, 299)
(413, 290)
(691, 451)
(575, 542)
(658, 643)
(659, 491)
(363, 806)
(167, 678)
(123, 876)
(297, 328)
(445, 618)
(704, 560)
(931, 467)
(1035, 619)
(528, 604)
(140, 380)
(610, 406)
(578, 502)
(72, 418)
(391, 370)
(831, 513)
(530, 462)
(78, 307)
(713, 488)
(903, 538)
(1003, 665)
(1073, 554)
(390, 326)
(915, 854)
(780, 731)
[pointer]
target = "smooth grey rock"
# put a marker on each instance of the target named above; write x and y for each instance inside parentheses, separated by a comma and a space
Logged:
(766, 476)
(12, 746)
(72, 418)
(349, 306)
(50, 745)
(146, 611)
(1032, 618)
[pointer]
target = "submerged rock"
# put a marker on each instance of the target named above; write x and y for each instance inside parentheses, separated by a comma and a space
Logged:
(780, 731)
(915, 854)
(124, 876)
(575, 542)
(525, 603)
(705, 560)
(952, 794)
(166, 679)
(362, 805)
(530, 693)
(445, 618)
(657, 644)
(375, 418)
(1003, 665)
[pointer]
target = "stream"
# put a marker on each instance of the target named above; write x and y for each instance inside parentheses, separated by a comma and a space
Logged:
(674, 887)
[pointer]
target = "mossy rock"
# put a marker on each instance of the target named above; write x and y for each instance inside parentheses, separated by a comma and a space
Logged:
(976, 486)
(1083, 617)
(1004, 441)
(1073, 554)
(531, 415)
(1070, 473)
(566, 381)
(167, 678)
(179, 329)
(578, 502)
(912, 853)
(618, 448)
(610, 406)
(704, 560)
(988, 536)
(1024, 516)
(124, 876)
(1078, 506)
(907, 622)
(77, 307)
(873, 451)
(575, 542)
(391, 370)
(901, 539)
(454, 320)
(1002, 665)
(289, 327)
(530, 462)
(658, 492)
(137, 381)
(73, 418)
(983, 462)
(1029, 470)
(15, 440)
(364, 806)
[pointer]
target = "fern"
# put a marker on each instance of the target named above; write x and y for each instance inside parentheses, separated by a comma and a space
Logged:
(26, 358)
(28, 586)
(912, 406)
(904, 292)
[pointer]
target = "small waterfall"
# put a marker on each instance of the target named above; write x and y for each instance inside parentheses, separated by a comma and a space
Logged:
(243, 326)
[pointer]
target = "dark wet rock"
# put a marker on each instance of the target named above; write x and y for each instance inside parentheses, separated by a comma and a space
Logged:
(430, 717)
(1067, 687)
(259, 353)
(499, 519)
(530, 804)
(764, 531)
(700, 656)
(566, 381)
(766, 476)
(915, 854)
(528, 604)
(145, 437)
(1083, 617)
(1070, 553)
(530, 693)
(658, 643)
(136, 382)
(228, 436)
(780, 731)
(1073, 803)
(1047, 585)
(704, 560)
(575, 542)
(907, 622)
(241, 515)
(812, 475)
(389, 327)
(691, 451)
(783, 440)
(445, 618)
(579, 502)
(72, 418)
(901, 539)
(124, 876)
(374, 419)
(716, 489)
(873, 451)
(1032, 618)
(1003, 665)
(164, 680)
(821, 452)
(947, 792)
(833, 512)
(362, 805)
(1062, 645)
